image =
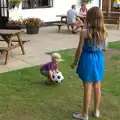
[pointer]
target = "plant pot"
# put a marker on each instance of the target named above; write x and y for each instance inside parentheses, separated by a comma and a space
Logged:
(14, 26)
(32, 29)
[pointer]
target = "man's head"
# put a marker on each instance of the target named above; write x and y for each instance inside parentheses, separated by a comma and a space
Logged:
(73, 7)
(83, 6)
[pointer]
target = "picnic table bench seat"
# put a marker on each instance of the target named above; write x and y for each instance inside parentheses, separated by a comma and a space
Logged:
(65, 24)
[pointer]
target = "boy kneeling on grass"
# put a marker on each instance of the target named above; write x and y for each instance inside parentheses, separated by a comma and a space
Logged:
(49, 68)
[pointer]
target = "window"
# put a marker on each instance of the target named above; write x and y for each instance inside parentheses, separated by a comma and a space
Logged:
(29, 4)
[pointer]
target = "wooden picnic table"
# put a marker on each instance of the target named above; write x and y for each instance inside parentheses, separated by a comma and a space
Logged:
(6, 36)
(64, 23)
(63, 16)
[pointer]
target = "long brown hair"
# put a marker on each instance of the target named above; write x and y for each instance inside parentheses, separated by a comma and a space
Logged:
(95, 25)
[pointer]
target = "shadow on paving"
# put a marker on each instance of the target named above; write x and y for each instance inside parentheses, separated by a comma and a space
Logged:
(71, 52)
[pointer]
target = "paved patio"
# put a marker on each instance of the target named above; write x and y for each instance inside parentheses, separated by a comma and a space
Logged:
(47, 40)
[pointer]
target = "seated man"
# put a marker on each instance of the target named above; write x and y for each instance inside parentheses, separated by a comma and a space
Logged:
(72, 18)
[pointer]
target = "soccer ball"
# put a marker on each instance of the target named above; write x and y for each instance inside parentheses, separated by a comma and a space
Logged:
(58, 77)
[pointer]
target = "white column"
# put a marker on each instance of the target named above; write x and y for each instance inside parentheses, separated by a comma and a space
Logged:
(101, 3)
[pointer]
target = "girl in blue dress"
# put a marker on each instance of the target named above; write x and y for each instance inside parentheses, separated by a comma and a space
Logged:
(90, 59)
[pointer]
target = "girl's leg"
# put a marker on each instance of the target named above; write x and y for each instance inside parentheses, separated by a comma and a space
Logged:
(87, 97)
(97, 95)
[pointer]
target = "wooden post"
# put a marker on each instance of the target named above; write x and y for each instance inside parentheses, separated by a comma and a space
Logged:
(109, 6)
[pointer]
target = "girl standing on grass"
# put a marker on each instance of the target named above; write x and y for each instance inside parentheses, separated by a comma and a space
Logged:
(90, 67)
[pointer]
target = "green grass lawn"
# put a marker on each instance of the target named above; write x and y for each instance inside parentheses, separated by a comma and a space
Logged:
(24, 97)
(115, 45)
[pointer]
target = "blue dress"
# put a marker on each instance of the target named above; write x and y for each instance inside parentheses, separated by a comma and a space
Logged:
(103, 46)
(91, 64)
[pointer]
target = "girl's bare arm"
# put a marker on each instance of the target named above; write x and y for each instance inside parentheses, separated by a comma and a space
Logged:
(106, 44)
(80, 46)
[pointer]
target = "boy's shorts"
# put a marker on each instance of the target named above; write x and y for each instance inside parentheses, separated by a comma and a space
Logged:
(45, 73)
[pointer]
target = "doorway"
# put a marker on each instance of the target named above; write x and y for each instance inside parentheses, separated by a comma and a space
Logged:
(4, 13)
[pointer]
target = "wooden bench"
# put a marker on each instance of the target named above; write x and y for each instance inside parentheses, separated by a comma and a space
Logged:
(64, 24)
(112, 18)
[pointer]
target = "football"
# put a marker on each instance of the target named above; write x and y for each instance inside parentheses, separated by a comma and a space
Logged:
(58, 77)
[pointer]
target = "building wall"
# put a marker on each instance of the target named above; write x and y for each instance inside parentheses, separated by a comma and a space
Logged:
(48, 14)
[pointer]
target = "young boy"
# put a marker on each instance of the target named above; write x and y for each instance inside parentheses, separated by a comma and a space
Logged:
(49, 68)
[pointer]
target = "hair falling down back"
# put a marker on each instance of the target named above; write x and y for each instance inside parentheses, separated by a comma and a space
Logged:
(95, 25)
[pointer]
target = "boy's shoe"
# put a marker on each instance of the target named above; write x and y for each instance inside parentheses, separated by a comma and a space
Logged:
(97, 114)
(80, 117)
(49, 82)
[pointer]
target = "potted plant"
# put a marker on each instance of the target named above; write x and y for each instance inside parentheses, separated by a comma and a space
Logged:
(15, 24)
(14, 3)
(32, 25)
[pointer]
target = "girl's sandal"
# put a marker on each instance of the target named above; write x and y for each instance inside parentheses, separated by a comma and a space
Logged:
(79, 116)
(97, 114)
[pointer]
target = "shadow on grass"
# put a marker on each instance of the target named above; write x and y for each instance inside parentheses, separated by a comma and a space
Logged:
(62, 51)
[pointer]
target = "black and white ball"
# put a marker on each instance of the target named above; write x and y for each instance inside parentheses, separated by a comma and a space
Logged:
(58, 77)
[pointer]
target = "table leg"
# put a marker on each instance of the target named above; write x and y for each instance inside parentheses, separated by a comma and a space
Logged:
(6, 38)
(66, 20)
(59, 26)
(61, 19)
(21, 44)
(68, 27)
(66, 23)
(7, 52)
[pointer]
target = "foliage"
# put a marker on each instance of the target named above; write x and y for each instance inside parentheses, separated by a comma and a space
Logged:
(15, 22)
(14, 2)
(86, 1)
(32, 22)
